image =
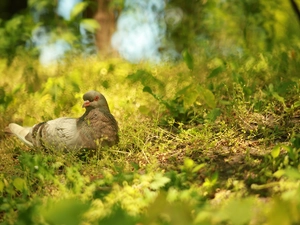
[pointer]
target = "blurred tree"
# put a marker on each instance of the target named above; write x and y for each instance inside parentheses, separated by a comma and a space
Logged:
(14, 28)
(212, 27)
(184, 21)
(8, 8)
(231, 26)
(105, 12)
(106, 15)
(36, 23)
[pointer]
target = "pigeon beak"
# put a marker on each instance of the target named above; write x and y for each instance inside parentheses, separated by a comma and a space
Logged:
(86, 103)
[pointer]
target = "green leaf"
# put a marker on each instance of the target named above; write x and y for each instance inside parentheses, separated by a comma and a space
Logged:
(296, 104)
(198, 167)
(90, 25)
(189, 98)
(148, 80)
(207, 97)
(1, 186)
(280, 212)
(279, 173)
(287, 148)
(215, 72)
(188, 163)
(118, 216)
(147, 89)
(68, 37)
(213, 114)
(159, 181)
(67, 211)
(144, 110)
(275, 151)
(237, 211)
(292, 173)
(78, 8)
(188, 59)
(19, 184)
(296, 141)
(278, 97)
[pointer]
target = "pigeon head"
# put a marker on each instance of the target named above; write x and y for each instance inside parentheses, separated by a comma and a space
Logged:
(93, 100)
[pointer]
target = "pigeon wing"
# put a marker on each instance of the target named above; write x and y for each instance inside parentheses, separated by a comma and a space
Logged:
(57, 133)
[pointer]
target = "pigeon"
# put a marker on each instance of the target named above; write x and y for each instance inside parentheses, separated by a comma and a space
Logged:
(96, 127)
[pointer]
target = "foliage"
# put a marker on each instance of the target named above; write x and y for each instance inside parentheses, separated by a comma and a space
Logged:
(17, 32)
(40, 18)
(212, 139)
(231, 27)
(215, 141)
(182, 107)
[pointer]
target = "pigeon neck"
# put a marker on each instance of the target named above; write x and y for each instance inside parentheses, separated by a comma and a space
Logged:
(89, 109)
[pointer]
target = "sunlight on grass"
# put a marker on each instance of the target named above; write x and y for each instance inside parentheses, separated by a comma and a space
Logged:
(195, 144)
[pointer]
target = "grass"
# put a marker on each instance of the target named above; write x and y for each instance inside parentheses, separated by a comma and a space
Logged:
(195, 145)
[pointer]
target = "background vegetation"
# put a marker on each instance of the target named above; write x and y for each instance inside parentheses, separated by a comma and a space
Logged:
(212, 138)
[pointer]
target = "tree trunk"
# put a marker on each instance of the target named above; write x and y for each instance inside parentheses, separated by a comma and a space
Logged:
(107, 20)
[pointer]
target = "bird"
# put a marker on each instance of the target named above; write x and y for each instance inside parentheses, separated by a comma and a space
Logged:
(96, 127)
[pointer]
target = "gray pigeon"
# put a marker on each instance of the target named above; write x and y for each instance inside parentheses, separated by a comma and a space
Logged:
(96, 127)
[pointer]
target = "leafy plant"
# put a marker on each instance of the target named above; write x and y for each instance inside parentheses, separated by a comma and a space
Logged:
(234, 150)
(17, 32)
(186, 103)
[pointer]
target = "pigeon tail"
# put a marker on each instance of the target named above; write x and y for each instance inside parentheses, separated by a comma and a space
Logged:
(20, 132)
